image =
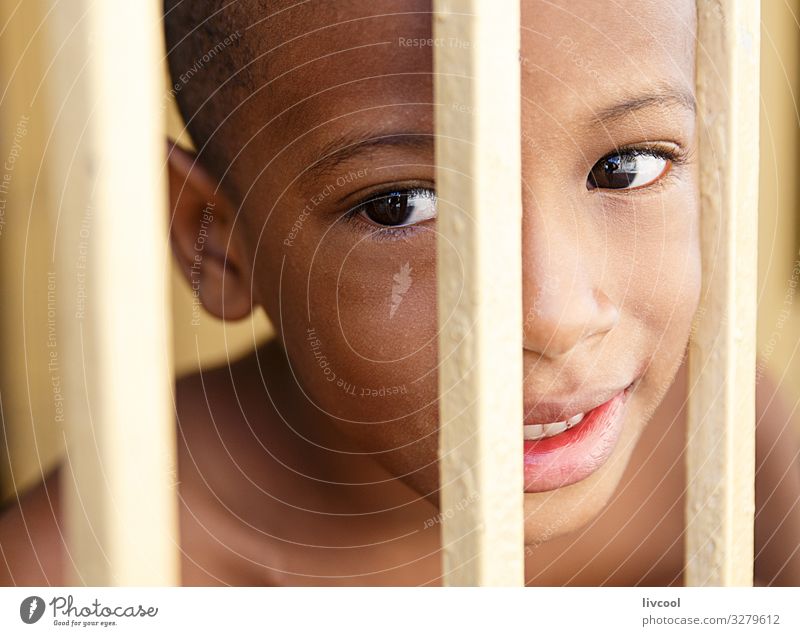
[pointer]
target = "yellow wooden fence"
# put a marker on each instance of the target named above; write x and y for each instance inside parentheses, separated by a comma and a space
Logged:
(107, 180)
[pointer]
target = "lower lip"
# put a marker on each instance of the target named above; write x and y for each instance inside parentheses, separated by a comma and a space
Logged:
(569, 457)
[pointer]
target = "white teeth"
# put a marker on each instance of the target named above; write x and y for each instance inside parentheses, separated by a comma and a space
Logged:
(533, 432)
(574, 420)
(554, 429)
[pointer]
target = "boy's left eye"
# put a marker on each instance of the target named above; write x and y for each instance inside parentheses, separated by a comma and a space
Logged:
(398, 208)
(628, 170)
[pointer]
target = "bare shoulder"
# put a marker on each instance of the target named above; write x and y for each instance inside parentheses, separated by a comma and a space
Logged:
(777, 527)
(208, 405)
(31, 539)
(777, 482)
(32, 543)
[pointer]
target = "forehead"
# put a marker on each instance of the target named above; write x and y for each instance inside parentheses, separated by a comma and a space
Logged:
(366, 65)
(602, 50)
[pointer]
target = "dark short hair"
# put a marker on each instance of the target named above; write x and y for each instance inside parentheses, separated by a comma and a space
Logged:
(209, 64)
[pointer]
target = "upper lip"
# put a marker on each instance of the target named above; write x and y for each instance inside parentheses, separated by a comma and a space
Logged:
(549, 411)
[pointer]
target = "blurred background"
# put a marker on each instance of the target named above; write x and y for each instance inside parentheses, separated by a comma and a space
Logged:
(31, 439)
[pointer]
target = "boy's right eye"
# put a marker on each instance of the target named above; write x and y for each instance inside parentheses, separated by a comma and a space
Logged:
(629, 169)
(397, 208)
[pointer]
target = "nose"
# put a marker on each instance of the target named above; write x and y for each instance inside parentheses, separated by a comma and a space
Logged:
(563, 302)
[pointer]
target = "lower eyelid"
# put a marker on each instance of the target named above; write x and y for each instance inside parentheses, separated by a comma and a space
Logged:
(381, 233)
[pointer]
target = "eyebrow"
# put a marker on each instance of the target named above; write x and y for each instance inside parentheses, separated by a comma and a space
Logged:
(347, 146)
(664, 98)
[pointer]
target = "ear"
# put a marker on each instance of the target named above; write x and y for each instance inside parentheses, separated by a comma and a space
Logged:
(208, 251)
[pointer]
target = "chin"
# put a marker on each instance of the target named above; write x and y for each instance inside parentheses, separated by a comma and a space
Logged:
(555, 513)
(560, 513)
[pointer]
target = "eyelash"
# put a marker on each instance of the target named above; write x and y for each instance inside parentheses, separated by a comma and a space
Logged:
(665, 151)
(675, 154)
(383, 233)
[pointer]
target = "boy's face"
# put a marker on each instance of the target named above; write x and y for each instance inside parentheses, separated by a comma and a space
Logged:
(610, 251)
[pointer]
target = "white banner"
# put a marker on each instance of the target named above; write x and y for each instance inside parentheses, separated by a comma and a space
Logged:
(406, 611)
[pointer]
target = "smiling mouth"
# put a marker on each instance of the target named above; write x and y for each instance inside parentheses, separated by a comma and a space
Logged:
(561, 453)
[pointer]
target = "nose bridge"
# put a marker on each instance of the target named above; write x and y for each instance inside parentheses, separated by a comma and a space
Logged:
(563, 302)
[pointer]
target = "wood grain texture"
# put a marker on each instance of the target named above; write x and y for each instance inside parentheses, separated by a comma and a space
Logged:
(721, 443)
(477, 94)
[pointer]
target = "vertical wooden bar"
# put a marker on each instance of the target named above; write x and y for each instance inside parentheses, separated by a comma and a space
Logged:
(30, 439)
(720, 444)
(112, 269)
(477, 94)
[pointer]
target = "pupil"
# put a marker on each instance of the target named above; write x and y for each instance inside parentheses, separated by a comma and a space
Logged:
(394, 209)
(619, 172)
(611, 164)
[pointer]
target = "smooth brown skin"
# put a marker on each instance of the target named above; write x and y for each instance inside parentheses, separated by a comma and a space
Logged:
(229, 528)
(285, 477)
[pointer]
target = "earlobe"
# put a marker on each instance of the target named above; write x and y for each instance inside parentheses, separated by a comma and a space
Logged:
(203, 239)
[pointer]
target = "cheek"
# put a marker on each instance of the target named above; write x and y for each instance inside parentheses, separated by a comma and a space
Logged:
(358, 319)
(659, 257)
(384, 298)
(666, 294)
(373, 311)
(674, 271)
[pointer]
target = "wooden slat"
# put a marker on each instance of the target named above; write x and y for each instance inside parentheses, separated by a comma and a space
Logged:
(720, 443)
(30, 439)
(113, 315)
(477, 94)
